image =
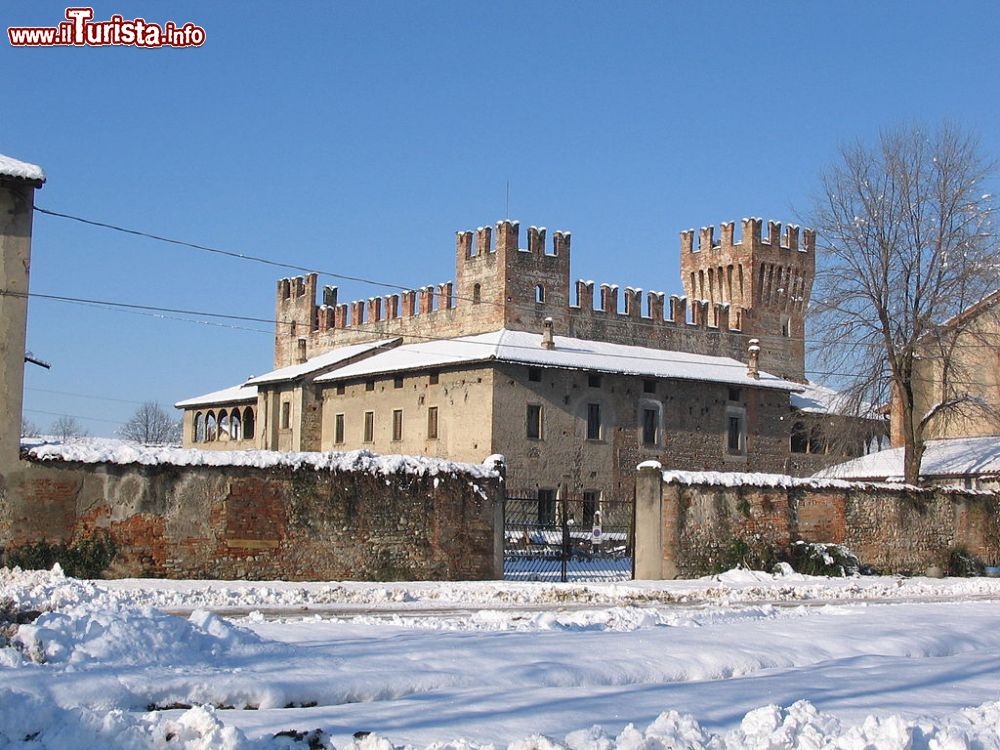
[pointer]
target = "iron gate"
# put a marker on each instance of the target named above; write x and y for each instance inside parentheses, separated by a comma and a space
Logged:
(549, 539)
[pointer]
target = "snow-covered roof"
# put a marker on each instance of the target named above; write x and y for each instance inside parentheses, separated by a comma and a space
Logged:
(21, 169)
(952, 457)
(523, 347)
(322, 362)
(236, 393)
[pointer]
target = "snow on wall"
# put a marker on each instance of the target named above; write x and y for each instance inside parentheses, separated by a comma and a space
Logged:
(21, 169)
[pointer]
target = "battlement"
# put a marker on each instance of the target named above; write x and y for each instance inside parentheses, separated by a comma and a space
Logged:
(469, 245)
(750, 239)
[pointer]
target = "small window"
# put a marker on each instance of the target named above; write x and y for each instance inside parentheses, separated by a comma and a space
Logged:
(397, 382)
(534, 422)
(799, 442)
(735, 439)
(248, 423)
(397, 424)
(434, 378)
(593, 421)
(432, 423)
(735, 394)
(539, 293)
(650, 420)
(341, 389)
(535, 374)
(369, 385)
(286, 415)
(338, 428)
(594, 380)
(477, 294)
(369, 427)
(786, 326)
(546, 507)
(649, 386)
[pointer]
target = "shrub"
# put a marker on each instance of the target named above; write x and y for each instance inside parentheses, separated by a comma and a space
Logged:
(816, 559)
(751, 552)
(963, 564)
(88, 557)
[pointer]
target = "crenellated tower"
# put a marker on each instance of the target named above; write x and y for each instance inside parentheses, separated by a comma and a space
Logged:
(766, 283)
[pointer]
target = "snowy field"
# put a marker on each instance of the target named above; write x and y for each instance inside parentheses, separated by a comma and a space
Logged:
(741, 660)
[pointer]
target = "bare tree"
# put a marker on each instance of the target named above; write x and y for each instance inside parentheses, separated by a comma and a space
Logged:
(67, 427)
(28, 428)
(152, 424)
(905, 243)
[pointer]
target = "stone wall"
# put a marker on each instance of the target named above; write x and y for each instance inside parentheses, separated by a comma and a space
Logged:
(238, 522)
(685, 524)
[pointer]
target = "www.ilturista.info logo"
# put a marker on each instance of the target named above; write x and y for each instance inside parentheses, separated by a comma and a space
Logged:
(80, 30)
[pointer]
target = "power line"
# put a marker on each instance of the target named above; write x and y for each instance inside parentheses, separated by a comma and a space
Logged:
(84, 395)
(375, 336)
(74, 416)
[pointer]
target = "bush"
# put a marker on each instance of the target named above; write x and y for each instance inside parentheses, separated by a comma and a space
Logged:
(751, 552)
(816, 559)
(85, 558)
(963, 564)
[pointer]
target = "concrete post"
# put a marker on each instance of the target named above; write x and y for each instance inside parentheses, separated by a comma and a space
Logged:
(648, 521)
(16, 206)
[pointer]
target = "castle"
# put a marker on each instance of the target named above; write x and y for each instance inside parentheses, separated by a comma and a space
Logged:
(504, 360)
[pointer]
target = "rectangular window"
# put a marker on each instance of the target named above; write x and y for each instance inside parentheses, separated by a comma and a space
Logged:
(286, 415)
(650, 423)
(341, 389)
(397, 382)
(594, 381)
(735, 442)
(649, 386)
(338, 428)
(534, 422)
(369, 427)
(735, 394)
(369, 385)
(593, 421)
(591, 501)
(397, 424)
(546, 507)
(535, 374)
(433, 378)
(432, 423)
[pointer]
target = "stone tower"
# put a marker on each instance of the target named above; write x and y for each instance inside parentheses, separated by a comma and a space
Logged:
(766, 283)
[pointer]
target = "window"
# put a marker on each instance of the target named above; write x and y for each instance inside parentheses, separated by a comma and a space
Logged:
(432, 423)
(649, 386)
(799, 442)
(546, 507)
(735, 394)
(735, 438)
(397, 424)
(786, 326)
(534, 422)
(591, 501)
(594, 381)
(539, 293)
(369, 385)
(397, 382)
(248, 420)
(338, 428)
(341, 389)
(593, 421)
(535, 374)
(286, 415)
(650, 423)
(477, 293)
(434, 377)
(369, 427)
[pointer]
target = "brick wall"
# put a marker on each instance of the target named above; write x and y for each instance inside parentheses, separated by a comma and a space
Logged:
(236, 522)
(683, 529)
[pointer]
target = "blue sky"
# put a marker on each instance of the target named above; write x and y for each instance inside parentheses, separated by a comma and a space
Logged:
(358, 137)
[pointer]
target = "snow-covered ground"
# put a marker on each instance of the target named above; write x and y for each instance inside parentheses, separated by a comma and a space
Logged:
(741, 660)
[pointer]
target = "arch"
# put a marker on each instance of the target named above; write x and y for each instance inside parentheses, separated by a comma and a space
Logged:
(799, 440)
(235, 425)
(248, 423)
(223, 425)
(199, 428)
(210, 427)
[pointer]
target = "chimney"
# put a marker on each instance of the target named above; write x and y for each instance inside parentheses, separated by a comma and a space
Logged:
(753, 359)
(301, 352)
(547, 342)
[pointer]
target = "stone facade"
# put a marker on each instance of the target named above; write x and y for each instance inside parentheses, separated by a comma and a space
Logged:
(684, 526)
(235, 522)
